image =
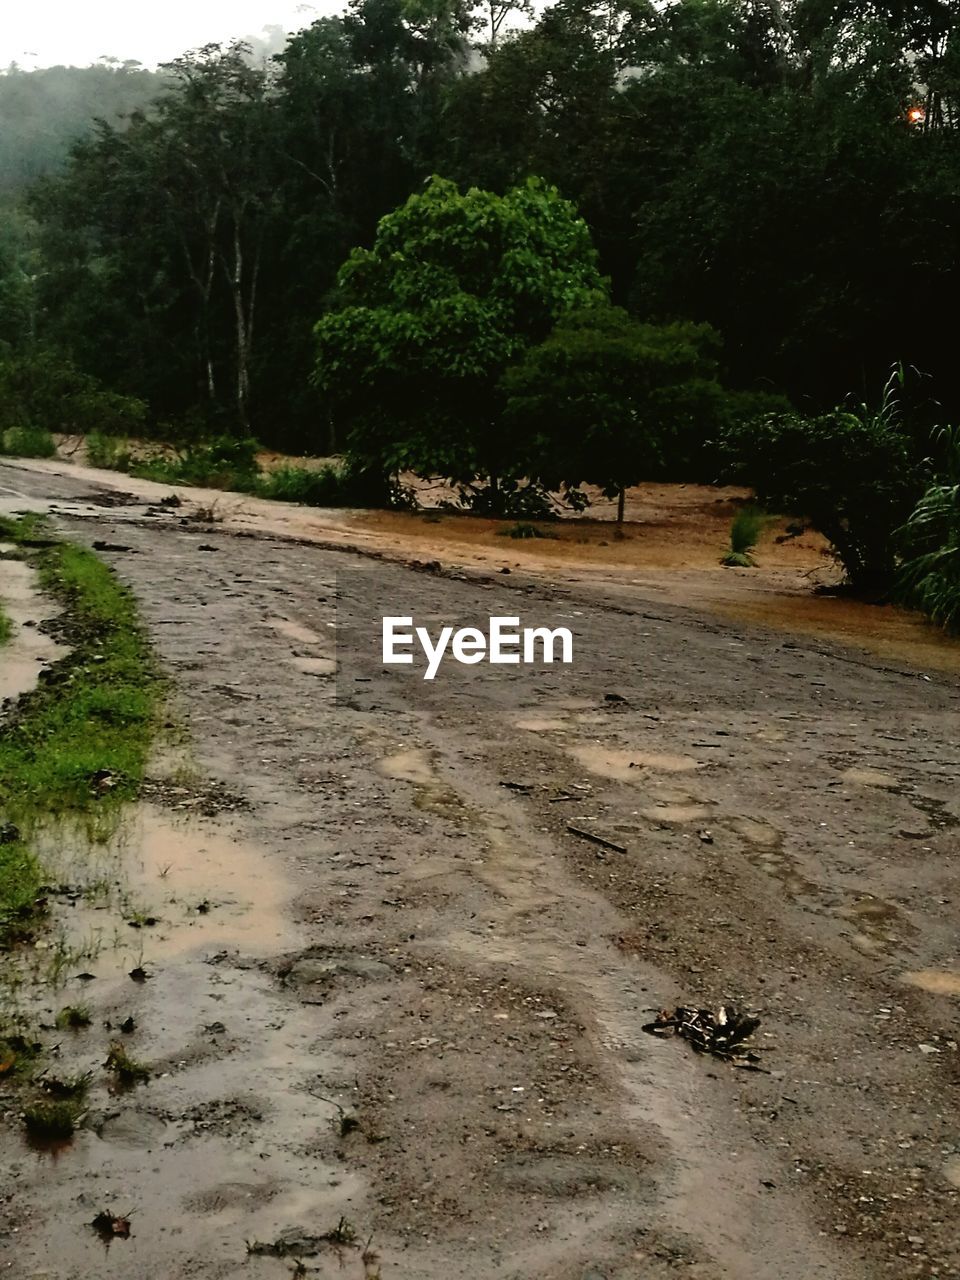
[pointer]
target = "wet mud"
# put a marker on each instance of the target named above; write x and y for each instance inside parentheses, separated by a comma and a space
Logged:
(393, 1006)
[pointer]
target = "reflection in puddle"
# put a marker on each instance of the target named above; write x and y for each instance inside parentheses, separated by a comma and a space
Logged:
(755, 832)
(28, 650)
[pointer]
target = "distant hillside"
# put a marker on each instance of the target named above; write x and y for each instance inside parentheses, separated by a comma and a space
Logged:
(42, 112)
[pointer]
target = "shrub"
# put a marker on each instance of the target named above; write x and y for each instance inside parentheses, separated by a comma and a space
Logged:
(930, 540)
(109, 452)
(27, 442)
(745, 533)
(225, 462)
(45, 390)
(322, 488)
(850, 474)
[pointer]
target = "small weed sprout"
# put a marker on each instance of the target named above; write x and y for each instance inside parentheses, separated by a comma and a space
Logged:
(745, 532)
(73, 1017)
(127, 1070)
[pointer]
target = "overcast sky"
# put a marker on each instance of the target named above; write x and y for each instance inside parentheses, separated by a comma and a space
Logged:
(47, 32)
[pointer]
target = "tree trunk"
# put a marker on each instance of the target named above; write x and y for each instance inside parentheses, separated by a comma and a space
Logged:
(621, 500)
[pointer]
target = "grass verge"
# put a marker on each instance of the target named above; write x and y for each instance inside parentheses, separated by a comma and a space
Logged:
(77, 744)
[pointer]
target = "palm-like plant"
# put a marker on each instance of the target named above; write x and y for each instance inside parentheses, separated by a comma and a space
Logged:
(930, 575)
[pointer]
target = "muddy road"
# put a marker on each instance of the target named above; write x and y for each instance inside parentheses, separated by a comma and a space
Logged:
(390, 989)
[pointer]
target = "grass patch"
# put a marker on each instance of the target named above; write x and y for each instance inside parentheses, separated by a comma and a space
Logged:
(523, 529)
(27, 442)
(77, 744)
(745, 532)
(74, 1017)
(127, 1070)
(6, 626)
(326, 487)
(109, 452)
(221, 463)
(51, 1121)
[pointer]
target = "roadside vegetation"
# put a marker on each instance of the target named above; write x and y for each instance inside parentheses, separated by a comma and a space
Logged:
(76, 745)
(745, 531)
(27, 442)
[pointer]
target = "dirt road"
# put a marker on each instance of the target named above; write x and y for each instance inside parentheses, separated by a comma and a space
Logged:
(389, 986)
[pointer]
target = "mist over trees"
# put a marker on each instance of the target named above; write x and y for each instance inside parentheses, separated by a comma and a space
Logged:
(43, 112)
(784, 171)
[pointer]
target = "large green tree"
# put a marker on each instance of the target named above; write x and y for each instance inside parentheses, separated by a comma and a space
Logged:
(454, 289)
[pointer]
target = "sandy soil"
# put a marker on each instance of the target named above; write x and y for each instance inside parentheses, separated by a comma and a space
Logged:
(401, 929)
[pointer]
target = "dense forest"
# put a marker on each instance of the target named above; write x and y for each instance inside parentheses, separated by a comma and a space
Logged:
(784, 171)
(758, 195)
(43, 112)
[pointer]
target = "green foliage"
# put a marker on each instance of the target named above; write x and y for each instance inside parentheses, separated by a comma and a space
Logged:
(454, 289)
(710, 146)
(523, 530)
(43, 389)
(27, 442)
(92, 717)
(49, 1120)
(929, 579)
(110, 452)
(224, 462)
(342, 485)
(851, 474)
(745, 531)
(127, 1070)
(608, 401)
(74, 1016)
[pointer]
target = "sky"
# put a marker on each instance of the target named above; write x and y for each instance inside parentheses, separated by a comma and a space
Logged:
(43, 33)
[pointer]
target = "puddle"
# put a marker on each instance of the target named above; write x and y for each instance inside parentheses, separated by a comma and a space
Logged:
(879, 923)
(28, 651)
(412, 765)
(294, 631)
(202, 886)
(608, 763)
(676, 812)
(755, 832)
(871, 778)
(212, 1149)
(315, 666)
(941, 982)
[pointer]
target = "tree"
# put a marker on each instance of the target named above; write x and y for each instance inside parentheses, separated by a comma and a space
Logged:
(607, 401)
(455, 288)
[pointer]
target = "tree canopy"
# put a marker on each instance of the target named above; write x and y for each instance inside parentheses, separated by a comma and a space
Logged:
(782, 171)
(425, 323)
